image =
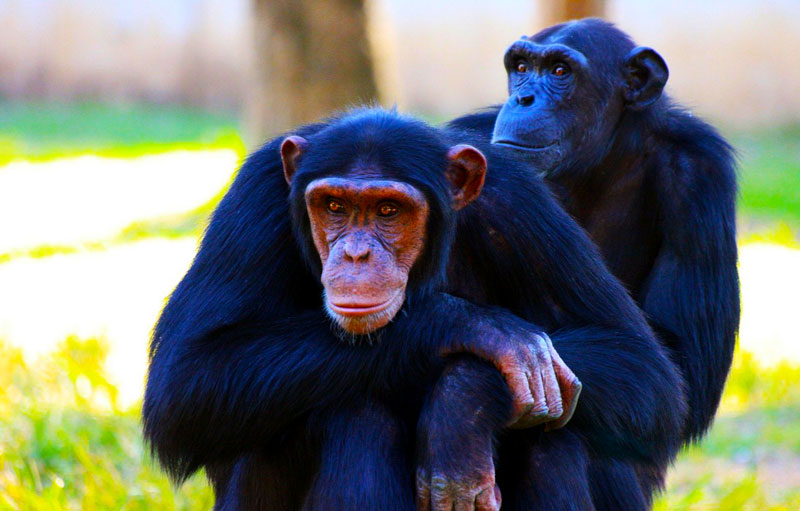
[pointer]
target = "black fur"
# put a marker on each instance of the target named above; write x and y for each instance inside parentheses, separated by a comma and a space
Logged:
(249, 379)
(657, 194)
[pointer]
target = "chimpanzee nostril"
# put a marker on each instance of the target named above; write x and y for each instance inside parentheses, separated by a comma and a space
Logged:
(356, 250)
(526, 100)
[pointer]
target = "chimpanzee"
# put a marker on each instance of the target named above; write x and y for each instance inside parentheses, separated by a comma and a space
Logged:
(287, 409)
(653, 185)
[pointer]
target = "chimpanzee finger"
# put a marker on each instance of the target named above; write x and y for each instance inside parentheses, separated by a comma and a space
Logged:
(467, 503)
(488, 500)
(442, 501)
(522, 401)
(570, 390)
(555, 408)
(537, 413)
(423, 491)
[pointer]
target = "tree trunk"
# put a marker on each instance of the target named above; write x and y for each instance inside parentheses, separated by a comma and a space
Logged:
(558, 11)
(312, 57)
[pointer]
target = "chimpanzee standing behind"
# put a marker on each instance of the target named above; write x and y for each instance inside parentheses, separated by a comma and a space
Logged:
(248, 379)
(653, 185)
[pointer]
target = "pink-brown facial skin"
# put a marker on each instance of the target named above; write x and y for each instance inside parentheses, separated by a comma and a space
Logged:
(368, 234)
(369, 231)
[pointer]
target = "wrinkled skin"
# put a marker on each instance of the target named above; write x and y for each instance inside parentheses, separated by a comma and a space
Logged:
(451, 475)
(543, 388)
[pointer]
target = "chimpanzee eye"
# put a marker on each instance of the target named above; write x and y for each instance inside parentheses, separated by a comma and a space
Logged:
(522, 67)
(387, 209)
(334, 206)
(560, 69)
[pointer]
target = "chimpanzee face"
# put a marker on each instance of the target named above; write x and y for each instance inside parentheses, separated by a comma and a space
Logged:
(568, 86)
(369, 231)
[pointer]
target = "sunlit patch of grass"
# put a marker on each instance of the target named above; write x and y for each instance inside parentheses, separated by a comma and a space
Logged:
(770, 174)
(66, 444)
(779, 234)
(750, 459)
(190, 223)
(43, 131)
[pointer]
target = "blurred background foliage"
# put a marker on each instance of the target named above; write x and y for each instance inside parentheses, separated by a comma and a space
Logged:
(121, 124)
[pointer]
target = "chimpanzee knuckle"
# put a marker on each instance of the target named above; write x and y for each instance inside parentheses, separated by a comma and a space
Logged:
(540, 411)
(440, 484)
(529, 420)
(521, 408)
(485, 501)
(555, 411)
(544, 360)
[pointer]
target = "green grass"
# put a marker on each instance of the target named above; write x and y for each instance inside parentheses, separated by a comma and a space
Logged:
(769, 181)
(751, 458)
(38, 130)
(65, 443)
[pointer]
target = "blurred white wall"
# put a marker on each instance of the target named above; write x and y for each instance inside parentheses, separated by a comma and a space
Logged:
(735, 61)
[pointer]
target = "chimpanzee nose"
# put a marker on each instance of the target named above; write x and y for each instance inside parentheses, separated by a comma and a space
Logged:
(356, 250)
(525, 99)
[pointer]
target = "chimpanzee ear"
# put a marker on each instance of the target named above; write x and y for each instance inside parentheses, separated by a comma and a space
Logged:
(292, 148)
(466, 171)
(646, 74)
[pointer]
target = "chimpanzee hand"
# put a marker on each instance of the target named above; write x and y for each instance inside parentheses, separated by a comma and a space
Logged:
(543, 389)
(454, 443)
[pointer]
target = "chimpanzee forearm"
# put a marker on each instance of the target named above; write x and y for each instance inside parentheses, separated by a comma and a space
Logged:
(631, 409)
(632, 398)
(240, 385)
(631, 405)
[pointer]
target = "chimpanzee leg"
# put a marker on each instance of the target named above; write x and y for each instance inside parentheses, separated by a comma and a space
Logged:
(547, 471)
(276, 481)
(616, 486)
(365, 463)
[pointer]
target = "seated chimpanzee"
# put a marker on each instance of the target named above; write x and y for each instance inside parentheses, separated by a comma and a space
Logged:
(652, 184)
(286, 409)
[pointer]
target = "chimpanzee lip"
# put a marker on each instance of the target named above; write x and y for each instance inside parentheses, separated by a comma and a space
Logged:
(358, 310)
(523, 147)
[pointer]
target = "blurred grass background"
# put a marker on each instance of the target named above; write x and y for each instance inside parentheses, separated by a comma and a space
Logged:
(67, 444)
(67, 440)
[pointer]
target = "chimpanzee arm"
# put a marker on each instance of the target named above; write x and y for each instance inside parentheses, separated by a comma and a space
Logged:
(543, 267)
(692, 294)
(241, 385)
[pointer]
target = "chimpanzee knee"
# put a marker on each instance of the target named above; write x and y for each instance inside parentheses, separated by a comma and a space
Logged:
(364, 463)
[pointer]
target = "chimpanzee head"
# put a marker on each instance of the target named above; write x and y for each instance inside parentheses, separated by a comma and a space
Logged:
(569, 87)
(372, 198)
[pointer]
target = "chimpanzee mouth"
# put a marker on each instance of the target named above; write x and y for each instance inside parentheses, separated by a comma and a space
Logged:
(522, 147)
(359, 309)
